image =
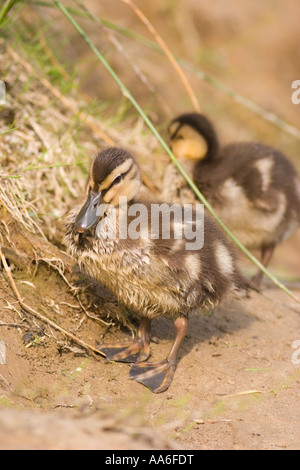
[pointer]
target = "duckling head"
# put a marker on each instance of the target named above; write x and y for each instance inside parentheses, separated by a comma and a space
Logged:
(192, 137)
(114, 179)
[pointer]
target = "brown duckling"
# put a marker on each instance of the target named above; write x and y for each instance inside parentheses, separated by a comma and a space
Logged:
(152, 274)
(253, 188)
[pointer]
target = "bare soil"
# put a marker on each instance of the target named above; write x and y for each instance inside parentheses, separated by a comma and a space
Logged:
(236, 386)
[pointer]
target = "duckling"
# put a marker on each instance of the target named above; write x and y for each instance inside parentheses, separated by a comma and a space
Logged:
(253, 188)
(153, 275)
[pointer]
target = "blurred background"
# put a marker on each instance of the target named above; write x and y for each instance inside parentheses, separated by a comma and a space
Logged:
(250, 47)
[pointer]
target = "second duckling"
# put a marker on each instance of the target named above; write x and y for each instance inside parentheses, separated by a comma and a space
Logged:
(253, 188)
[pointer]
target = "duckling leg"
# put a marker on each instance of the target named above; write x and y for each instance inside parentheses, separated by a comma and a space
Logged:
(134, 351)
(157, 376)
(266, 255)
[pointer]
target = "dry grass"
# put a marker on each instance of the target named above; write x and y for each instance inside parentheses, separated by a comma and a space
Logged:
(48, 138)
(46, 156)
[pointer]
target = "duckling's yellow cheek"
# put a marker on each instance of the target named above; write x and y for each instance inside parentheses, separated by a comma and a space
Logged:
(110, 196)
(194, 149)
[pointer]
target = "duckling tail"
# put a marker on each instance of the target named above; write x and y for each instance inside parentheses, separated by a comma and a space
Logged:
(243, 286)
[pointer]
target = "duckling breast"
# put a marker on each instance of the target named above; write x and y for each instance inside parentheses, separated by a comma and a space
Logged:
(156, 276)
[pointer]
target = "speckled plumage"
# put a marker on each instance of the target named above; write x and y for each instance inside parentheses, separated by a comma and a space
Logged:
(151, 275)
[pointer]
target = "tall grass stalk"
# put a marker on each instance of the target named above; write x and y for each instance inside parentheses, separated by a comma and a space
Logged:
(127, 93)
(166, 51)
(6, 9)
(120, 48)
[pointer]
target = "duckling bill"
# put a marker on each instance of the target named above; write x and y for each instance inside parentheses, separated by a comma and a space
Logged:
(253, 187)
(153, 276)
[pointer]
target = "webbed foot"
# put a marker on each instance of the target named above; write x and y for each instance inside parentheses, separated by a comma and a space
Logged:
(157, 376)
(135, 351)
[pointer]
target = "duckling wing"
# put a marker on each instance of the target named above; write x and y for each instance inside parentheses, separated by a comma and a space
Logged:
(259, 194)
(262, 172)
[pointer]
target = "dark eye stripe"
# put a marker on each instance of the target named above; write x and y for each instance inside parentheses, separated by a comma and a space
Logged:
(176, 132)
(114, 182)
(117, 179)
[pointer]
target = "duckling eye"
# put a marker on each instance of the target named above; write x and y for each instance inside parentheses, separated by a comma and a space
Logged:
(117, 179)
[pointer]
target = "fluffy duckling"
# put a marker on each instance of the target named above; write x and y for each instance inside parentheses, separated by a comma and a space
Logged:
(152, 274)
(253, 188)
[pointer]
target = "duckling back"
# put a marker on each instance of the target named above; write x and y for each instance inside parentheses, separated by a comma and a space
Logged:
(257, 193)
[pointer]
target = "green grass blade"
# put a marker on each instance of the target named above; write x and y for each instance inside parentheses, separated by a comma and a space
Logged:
(9, 4)
(10, 130)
